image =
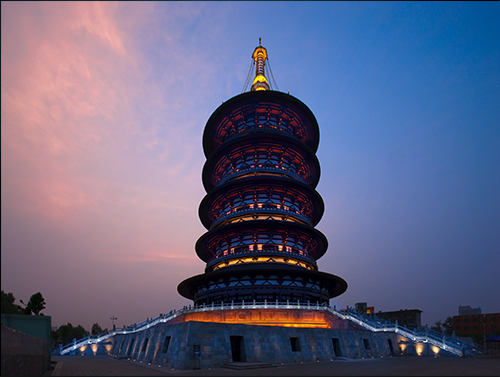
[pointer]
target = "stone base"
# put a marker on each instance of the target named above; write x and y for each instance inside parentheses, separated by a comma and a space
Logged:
(188, 344)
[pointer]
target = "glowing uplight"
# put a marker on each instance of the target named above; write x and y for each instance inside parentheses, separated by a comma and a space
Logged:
(261, 317)
(419, 348)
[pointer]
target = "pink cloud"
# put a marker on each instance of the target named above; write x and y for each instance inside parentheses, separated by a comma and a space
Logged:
(60, 97)
(101, 150)
(98, 19)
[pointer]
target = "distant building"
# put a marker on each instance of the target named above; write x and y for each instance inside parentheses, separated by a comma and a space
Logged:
(361, 307)
(410, 318)
(466, 325)
(467, 310)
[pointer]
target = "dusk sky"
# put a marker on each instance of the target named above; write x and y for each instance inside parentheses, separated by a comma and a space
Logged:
(103, 107)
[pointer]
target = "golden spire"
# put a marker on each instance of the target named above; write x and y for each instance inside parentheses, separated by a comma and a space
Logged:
(259, 56)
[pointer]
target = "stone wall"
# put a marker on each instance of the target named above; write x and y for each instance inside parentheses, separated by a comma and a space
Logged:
(38, 326)
(172, 345)
(22, 354)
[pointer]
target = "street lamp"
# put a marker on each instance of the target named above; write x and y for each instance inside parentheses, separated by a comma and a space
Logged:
(113, 318)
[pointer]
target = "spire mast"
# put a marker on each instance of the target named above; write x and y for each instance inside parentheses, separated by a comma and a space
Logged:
(260, 81)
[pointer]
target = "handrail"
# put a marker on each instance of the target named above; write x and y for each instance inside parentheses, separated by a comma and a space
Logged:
(452, 345)
(125, 330)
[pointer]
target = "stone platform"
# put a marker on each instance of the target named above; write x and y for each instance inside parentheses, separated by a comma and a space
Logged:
(254, 336)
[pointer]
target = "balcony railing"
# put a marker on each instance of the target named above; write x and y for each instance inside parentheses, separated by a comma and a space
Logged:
(264, 168)
(265, 209)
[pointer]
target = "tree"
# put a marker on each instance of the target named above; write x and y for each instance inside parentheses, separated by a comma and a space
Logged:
(35, 305)
(67, 332)
(448, 326)
(96, 329)
(437, 326)
(79, 332)
(444, 327)
(8, 305)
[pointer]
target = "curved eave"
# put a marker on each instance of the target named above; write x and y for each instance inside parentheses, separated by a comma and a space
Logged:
(317, 200)
(260, 96)
(300, 147)
(320, 237)
(335, 284)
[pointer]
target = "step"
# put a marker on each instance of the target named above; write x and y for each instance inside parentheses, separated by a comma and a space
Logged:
(242, 365)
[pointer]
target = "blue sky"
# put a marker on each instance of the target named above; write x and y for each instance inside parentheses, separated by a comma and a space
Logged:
(103, 110)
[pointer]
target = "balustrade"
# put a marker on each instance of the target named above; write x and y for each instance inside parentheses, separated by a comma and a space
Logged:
(451, 344)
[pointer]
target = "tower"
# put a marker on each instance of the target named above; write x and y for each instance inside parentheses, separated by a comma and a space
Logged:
(261, 205)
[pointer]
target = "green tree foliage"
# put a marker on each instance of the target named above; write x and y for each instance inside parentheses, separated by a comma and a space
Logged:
(96, 329)
(54, 335)
(35, 305)
(444, 327)
(79, 332)
(8, 306)
(448, 326)
(438, 326)
(66, 333)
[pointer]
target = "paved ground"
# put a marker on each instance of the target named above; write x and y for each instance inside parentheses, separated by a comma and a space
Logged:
(393, 366)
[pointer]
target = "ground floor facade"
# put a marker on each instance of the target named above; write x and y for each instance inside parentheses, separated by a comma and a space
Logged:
(193, 345)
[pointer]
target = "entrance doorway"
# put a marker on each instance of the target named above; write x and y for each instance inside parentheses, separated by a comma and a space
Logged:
(237, 348)
(336, 347)
(390, 346)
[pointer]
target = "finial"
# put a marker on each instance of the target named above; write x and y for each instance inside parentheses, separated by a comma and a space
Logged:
(259, 56)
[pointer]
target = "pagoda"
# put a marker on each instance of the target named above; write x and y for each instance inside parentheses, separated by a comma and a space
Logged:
(261, 206)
